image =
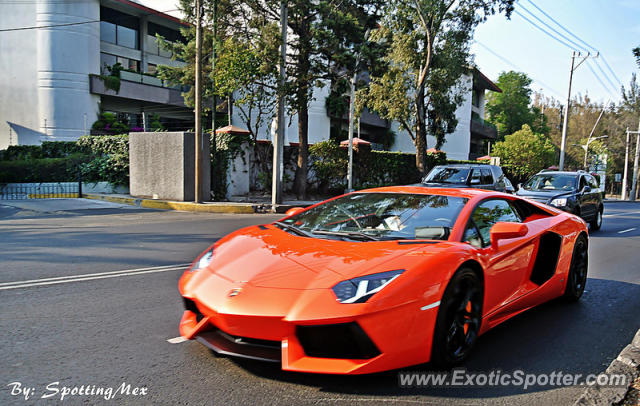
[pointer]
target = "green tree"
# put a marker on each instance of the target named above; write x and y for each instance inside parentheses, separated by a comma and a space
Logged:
(512, 108)
(525, 153)
(427, 53)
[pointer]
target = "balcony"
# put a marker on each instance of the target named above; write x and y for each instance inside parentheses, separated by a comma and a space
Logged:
(136, 86)
(483, 128)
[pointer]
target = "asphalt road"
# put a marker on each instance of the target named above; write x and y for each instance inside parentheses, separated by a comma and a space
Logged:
(60, 324)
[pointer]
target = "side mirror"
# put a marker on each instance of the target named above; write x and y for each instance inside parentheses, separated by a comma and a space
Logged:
(504, 231)
(293, 211)
(586, 189)
(474, 182)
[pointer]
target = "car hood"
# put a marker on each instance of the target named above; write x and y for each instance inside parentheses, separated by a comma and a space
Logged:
(269, 257)
(541, 195)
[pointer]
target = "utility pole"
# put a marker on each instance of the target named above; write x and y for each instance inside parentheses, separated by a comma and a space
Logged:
(626, 168)
(352, 102)
(565, 123)
(276, 181)
(198, 101)
(634, 184)
(214, 141)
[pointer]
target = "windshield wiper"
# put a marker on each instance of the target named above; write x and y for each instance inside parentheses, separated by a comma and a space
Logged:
(351, 234)
(293, 229)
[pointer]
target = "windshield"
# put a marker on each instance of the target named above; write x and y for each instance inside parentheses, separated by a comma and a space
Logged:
(383, 216)
(443, 174)
(551, 181)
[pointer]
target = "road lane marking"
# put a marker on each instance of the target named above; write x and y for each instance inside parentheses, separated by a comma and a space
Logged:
(93, 274)
(622, 214)
(87, 277)
(177, 340)
(627, 230)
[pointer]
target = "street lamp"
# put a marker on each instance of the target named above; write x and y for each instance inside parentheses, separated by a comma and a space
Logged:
(586, 148)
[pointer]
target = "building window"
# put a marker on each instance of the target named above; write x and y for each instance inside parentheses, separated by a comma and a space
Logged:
(107, 32)
(119, 28)
(106, 60)
(110, 60)
(168, 34)
(152, 68)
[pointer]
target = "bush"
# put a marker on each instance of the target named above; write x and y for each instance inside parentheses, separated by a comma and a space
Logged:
(42, 169)
(110, 158)
(371, 168)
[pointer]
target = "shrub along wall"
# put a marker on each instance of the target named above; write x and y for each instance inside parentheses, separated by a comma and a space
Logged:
(96, 158)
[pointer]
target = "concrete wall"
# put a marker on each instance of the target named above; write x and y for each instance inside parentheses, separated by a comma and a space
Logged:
(18, 78)
(162, 165)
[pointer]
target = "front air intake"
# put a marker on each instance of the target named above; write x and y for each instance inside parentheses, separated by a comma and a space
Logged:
(345, 340)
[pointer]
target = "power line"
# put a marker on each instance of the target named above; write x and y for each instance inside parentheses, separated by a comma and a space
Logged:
(599, 79)
(578, 39)
(561, 26)
(542, 29)
(508, 62)
(606, 77)
(554, 30)
(47, 26)
(568, 46)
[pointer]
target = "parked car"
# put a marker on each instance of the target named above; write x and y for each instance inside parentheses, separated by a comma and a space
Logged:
(574, 192)
(381, 279)
(478, 176)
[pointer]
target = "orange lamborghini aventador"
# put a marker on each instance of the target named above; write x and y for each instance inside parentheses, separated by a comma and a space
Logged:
(381, 278)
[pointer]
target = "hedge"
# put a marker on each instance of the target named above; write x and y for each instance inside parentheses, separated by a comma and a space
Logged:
(43, 169)
(48, 149)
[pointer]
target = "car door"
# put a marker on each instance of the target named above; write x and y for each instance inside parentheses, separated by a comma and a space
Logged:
(595, 194)
(505, 267)
(585, 198)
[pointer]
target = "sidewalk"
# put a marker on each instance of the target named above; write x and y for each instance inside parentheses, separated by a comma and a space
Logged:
(627, 363)
(206, 207)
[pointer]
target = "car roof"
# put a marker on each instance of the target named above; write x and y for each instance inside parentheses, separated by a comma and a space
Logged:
(466, 165)
(467, 193)
(562, 173)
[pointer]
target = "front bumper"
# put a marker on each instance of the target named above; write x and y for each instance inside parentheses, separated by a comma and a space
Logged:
(366, 343)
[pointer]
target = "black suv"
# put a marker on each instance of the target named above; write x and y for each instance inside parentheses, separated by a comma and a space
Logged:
(478, 176)
(575, 192)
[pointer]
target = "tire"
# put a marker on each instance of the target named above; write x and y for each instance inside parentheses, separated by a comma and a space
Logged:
(577, 277)
(458, 321)
(596, 223)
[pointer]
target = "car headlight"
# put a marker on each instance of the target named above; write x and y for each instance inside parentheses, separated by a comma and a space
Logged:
(203, 262)
(359, 290)
(559, 202)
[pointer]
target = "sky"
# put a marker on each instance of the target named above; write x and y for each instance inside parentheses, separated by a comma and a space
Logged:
(610, 26)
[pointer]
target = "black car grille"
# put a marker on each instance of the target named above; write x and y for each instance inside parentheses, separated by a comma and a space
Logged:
(191, 306)
(345, 340)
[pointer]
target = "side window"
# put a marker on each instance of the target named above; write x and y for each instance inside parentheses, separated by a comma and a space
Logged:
(583, 182)
(475, 177)
(592, 182)
(486, 178)
(472, 236)
(487, 214)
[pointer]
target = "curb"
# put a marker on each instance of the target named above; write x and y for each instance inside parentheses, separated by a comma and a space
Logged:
(215, 207)
(627, 363)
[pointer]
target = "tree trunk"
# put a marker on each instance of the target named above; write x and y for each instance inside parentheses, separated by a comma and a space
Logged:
(303, 152)
(421, 134)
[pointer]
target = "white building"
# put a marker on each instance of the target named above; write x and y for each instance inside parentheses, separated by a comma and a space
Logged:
(51, 89)
(47, 75)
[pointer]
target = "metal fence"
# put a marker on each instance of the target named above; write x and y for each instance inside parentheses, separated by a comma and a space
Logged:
(20, 191)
